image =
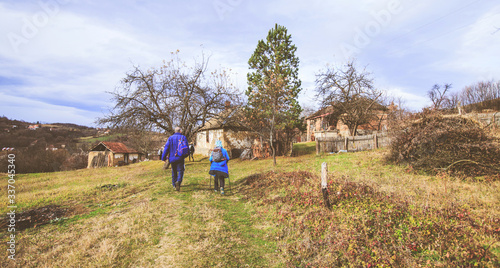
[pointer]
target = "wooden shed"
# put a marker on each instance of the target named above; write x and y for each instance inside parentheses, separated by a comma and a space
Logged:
(111, 154)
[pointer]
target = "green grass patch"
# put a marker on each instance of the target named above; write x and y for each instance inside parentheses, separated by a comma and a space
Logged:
(272, 217)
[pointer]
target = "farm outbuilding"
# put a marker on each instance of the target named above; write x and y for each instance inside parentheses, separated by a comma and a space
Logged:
(225, 127)
(110, 154)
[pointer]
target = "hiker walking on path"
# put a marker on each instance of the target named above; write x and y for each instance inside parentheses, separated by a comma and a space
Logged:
(218, 166)
(176, 149)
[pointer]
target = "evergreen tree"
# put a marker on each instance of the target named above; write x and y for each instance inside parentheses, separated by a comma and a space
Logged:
(273, 86)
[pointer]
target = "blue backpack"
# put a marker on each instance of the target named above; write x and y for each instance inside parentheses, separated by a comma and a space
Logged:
(182, 148)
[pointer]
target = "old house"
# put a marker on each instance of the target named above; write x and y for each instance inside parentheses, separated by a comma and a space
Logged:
(225, 127)
(323, 124)
(110, 154)
(33, 127)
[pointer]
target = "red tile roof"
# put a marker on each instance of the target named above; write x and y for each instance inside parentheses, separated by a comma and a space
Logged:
(115, 147)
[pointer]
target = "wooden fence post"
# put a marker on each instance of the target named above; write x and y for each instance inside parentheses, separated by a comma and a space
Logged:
(375, 141)
(324, 184)
(346, 144)
(317, 146)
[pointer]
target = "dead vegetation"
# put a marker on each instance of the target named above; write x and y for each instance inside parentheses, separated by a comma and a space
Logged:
(40, 216)
(454, 144)
(367, 227)
(380, 215)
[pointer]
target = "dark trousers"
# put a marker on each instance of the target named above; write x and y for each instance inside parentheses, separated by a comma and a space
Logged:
(219, 177)
(218, 182)
(177, 172)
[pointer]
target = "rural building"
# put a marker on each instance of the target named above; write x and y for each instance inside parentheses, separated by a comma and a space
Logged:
(110, 154)
(225, 127)
(323, 124)
(33, 127)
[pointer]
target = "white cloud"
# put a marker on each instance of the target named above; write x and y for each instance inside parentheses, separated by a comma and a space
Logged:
(414, 102)
(31, 110)
(478, 53)
(83, 48)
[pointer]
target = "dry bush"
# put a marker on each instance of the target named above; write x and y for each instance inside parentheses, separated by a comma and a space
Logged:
(369, 228)
(75, 161)
(37, 160)
(456, 144)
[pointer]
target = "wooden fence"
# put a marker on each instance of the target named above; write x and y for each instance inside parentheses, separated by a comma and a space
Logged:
(352, 143)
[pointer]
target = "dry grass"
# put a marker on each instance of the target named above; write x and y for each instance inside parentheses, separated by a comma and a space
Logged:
(130, 216)
(137, 220)
(369, 226)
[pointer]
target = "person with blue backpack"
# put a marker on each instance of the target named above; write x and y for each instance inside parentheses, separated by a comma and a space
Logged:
(218, 166)
(175, 150)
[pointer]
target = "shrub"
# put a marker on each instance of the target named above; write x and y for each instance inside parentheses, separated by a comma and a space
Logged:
(446, 143)
(75, 161)
(35, 160)
(369, 228)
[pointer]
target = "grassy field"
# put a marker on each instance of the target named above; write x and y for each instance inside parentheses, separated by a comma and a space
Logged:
(272, 217)
(93, 140)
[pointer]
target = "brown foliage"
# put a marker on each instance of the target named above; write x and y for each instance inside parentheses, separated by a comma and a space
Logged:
(367, 227)
(75, 161)
(447, 143)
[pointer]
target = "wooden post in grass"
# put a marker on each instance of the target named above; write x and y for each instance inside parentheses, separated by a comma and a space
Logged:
(375, 141)
(324, 184)
(346, 144)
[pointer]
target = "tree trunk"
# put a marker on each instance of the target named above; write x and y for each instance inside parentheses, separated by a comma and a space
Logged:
(272, 148)
(271, 134)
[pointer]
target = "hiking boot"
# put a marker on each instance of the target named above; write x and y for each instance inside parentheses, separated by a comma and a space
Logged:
(221, 190)
(177, 186)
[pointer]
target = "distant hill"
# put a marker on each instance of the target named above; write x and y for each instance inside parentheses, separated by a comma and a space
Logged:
(63, 146)
(8, 123)
(19, 134)
(44, 147)
(485, 105)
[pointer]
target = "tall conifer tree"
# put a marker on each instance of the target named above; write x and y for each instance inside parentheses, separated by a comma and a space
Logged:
(273, 86)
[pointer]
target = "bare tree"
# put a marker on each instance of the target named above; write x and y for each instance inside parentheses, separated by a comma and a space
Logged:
(397, 112)
(438, 96)
(307, 111)
(351, 93)
(169, 96)
(479, 92)
(144, 141)
(453, 101)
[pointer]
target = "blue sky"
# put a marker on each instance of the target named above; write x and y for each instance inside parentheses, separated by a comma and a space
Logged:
(58, 58)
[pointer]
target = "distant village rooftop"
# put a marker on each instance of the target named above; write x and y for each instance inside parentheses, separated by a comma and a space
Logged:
(115, 147)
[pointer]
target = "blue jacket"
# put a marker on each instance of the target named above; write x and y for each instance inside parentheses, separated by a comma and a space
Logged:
(171, 147)
(220, 166)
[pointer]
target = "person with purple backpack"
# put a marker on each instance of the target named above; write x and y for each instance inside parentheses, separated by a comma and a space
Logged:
(176, 149)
